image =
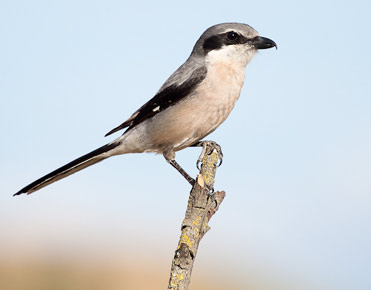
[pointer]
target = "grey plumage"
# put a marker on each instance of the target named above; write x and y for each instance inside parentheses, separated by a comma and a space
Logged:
(191, 104)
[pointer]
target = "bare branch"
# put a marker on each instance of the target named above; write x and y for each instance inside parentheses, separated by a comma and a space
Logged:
(201, 207)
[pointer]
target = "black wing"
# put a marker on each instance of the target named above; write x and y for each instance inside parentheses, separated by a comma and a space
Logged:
(167, 97)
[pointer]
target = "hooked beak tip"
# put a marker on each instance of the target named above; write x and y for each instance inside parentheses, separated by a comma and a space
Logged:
(263, 43)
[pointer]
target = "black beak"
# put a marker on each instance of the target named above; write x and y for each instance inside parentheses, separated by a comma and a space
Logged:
(262, 42)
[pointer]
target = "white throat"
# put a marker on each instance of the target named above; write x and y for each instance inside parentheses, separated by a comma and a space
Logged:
(234, 55)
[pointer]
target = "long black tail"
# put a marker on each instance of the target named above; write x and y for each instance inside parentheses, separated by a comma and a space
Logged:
(70, 168)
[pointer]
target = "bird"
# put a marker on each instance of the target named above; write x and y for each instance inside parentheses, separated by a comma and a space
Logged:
(191, 104)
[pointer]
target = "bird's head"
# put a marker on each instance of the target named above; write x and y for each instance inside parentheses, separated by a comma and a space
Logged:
(231, 41)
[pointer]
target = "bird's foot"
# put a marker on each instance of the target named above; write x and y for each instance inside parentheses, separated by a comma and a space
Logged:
(207, 148)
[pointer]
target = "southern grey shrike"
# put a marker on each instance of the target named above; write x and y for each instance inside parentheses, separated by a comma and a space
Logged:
(191, 104)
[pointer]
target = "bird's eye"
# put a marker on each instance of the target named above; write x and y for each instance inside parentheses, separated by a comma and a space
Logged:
(232, 35)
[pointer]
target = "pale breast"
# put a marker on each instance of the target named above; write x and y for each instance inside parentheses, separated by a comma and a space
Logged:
(212, 102)
(221, 89)
(193, 118)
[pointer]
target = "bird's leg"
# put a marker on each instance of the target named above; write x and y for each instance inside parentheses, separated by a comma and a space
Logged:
(170, 158)
(207, 148)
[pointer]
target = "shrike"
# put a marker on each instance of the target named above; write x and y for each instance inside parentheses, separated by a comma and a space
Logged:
(191, 104)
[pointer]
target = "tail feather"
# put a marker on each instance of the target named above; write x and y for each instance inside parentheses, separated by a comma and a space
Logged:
(68, 169)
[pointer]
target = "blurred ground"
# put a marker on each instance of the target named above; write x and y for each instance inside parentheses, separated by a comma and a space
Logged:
(132, 273)
(74, 275)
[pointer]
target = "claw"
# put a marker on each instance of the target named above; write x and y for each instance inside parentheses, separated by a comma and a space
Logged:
(220, 162)
(211, 191)
(198, 164)
(220, 155)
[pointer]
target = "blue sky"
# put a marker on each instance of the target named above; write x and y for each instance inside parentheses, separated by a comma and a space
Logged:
(297, 146)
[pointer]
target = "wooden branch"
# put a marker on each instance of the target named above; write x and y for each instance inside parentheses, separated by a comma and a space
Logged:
(201, 207)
